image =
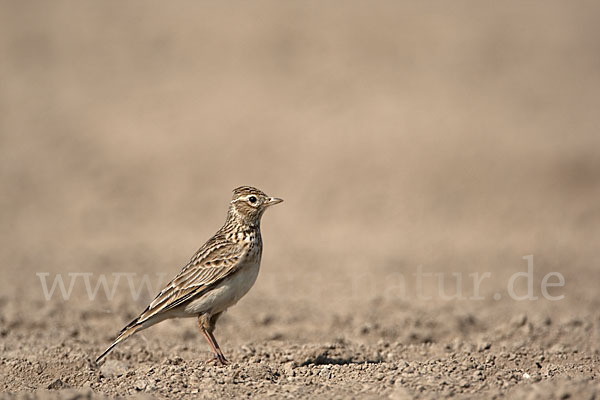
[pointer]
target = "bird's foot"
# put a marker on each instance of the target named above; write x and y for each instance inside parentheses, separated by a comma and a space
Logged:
(218, 359)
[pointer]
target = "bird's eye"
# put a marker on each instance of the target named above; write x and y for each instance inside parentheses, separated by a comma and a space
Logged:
(252, 199)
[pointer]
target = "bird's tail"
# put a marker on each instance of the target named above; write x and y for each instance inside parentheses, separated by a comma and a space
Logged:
(129, 330)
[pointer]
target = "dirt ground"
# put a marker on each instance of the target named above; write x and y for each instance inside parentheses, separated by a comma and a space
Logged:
(439, 161)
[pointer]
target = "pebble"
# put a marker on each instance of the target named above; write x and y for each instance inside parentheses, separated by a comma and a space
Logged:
(113, 368)
(141, 385)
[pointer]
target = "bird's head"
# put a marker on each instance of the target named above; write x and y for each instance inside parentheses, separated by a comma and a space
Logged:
(248, 204)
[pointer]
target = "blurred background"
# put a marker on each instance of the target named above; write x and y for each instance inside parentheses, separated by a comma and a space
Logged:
(455, 136)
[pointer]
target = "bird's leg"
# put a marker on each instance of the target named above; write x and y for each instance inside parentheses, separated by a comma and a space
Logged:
(212, 323)
(209, 340)
(220, 355)
(206, 326)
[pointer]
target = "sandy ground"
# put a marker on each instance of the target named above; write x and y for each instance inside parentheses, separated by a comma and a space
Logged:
(423, 151)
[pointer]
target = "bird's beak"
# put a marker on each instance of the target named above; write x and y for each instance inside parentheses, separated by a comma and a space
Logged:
(272, 201)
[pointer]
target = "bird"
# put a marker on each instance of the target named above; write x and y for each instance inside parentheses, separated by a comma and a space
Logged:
(217, 276)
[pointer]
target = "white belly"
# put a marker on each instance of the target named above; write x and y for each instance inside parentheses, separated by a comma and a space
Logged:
(229, 292)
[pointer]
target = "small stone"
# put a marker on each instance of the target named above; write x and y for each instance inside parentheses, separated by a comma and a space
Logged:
(265, 319)
(564, 395)
(113, 368)
(57, 384)
(519, 320)
(483, 346)
(400, 392)
(141, 385)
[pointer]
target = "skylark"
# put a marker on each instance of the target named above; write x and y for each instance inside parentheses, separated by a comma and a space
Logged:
(217, 276)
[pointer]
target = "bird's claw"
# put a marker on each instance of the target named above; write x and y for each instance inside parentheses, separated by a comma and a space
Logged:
(218, 360)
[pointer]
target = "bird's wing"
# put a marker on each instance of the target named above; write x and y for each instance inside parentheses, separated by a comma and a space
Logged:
(216, 260)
